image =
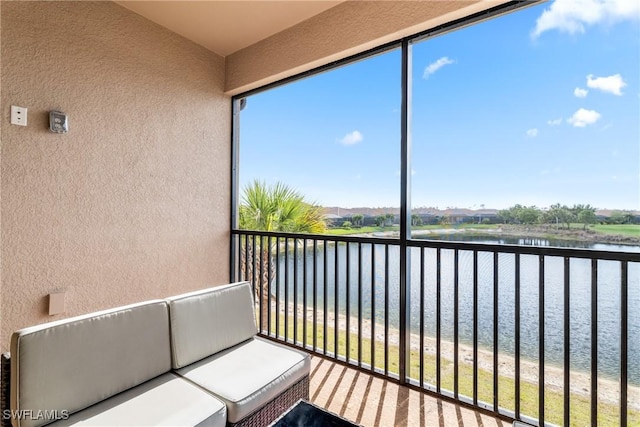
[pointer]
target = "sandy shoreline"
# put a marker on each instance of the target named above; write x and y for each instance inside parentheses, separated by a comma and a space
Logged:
(608, 390)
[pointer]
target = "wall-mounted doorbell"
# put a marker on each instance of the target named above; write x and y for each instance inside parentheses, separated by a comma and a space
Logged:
(58, 122)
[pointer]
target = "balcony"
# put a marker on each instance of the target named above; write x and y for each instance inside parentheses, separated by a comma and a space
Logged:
(128, 207)
(464, 325)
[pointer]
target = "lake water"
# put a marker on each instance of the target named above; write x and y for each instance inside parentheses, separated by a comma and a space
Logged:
(580, 298)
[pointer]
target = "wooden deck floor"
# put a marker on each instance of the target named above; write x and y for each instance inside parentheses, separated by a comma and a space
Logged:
(371, 401)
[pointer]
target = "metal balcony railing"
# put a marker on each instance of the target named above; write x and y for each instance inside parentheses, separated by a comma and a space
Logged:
(540, 334)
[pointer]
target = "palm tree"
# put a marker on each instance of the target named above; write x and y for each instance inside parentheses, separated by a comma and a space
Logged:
(272, 208)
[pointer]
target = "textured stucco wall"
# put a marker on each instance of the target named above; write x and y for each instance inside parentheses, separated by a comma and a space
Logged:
(132, 203)
(344, 30)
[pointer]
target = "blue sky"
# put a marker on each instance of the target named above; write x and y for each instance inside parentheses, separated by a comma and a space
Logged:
(537, 107)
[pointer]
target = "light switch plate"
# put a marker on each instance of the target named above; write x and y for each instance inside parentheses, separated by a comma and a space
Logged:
(18, 115)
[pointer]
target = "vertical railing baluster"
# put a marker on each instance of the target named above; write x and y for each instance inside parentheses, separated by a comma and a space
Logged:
(456, 318)
(254, 264)
(541, 380)
(517, 335)
(567, 342)
(286, 289)
(373, 307)
(496, 343)
(386, 309)
(325, 312)
(624, 324)
(336, 299)
(235, 253)
(348, 304)
(245, 276)
(240, 277)
(315, 294)
(594, 342)
(438, 320)
(269, 278)
(475, 327)
(260, 281)
(277, 287)
(239, 257)
(304, 293)
(421, 353)
(360, 304)
(295, 291)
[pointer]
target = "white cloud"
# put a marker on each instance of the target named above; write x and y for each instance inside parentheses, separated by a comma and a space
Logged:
(435, 66)
(532, 133)
(582, 118)
(580, 93)
(612, 84)
(553, 171)
(351, 138)
(573, 16)
(554, 122)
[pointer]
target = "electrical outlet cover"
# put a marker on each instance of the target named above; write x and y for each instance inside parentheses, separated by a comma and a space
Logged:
(18, 115)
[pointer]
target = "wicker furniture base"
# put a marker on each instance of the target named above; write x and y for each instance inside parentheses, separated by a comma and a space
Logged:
(278, 406)
(5, 375)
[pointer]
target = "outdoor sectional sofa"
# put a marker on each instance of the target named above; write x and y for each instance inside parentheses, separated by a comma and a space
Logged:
(192, 359)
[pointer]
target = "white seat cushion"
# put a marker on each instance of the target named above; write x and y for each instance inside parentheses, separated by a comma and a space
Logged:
(74, 363)
(208, 321)
(249, 375)
(167, 400)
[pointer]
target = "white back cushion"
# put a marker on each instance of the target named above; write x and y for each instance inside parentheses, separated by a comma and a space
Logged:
(208, 321)
(74, 363)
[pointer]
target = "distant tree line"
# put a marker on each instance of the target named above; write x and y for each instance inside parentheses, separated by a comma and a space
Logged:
(558, 215)
(562, 215)
(385, 220)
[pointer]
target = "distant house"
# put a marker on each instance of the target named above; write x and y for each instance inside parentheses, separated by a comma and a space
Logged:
(333, 219)
(467, 216)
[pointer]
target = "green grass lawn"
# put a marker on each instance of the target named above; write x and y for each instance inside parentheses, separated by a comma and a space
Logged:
(608, 414)
(362, 230)
(629, 230)
(339, 231)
